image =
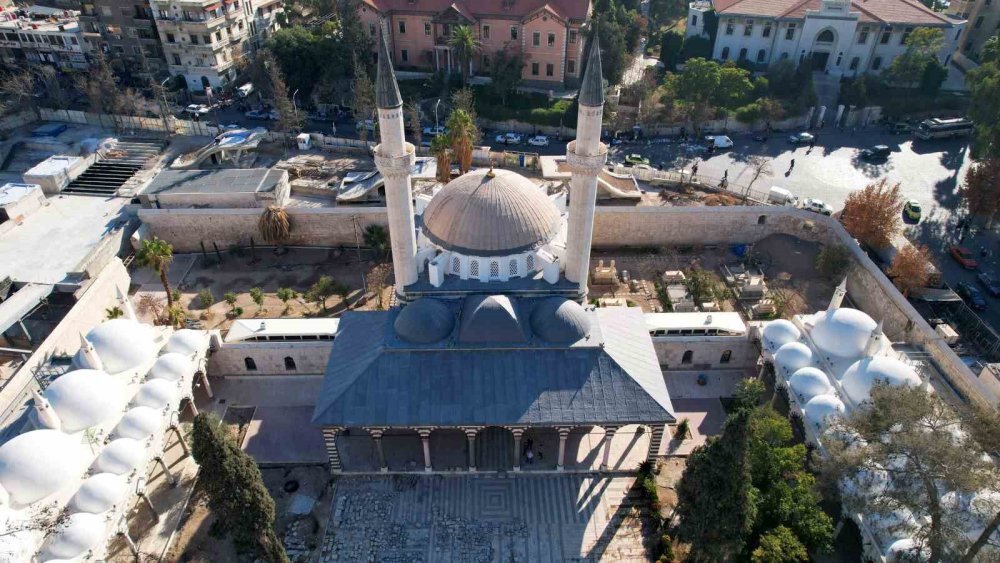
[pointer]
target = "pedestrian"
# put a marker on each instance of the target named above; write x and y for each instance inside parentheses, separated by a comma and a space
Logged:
(790, 167)
(725, 175)
(812, 144)
(694, 170)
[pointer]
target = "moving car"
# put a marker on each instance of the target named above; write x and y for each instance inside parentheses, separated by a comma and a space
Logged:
(963, 256)
(635, 159)
(719, 141)
(912, 209)
(990, 283)
(817, 206)
(435, 131)
(801, 138)
(509, 139)
(780, 196)
(972, 295)
(878, 152)
(197, 109)
(539, 141)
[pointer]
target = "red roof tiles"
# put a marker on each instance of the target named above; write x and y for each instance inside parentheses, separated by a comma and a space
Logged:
(881, 11)
(572, 9)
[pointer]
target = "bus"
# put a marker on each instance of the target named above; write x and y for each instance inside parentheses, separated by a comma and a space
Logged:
(936, 128)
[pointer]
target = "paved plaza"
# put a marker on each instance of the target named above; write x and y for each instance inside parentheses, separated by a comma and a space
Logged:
(482, 519)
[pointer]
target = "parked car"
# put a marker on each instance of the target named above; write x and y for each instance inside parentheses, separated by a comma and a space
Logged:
(435, 131)
(899, 128)
(539, 141)
(963, 256)
(817, 206)
(972, 295)
(719, 141)
(878, 152)
(257, 114)
(366, 124)
(509, 139)
(224, 126)
(197, 109)
(912, 210)
(801, 138)
(634, 158)
(990, 283)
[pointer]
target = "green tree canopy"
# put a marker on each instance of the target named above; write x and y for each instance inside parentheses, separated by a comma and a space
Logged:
(922, 47)
(984, 108)
(734, 87)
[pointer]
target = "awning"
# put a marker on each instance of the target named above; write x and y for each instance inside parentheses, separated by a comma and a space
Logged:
(21, 303)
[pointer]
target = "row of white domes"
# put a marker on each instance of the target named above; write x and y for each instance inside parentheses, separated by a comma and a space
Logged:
(840, 333)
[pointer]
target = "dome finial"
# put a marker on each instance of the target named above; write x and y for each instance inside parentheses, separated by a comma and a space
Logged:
(46, 415)
(838, 295)
(874, 344)
(491, 173)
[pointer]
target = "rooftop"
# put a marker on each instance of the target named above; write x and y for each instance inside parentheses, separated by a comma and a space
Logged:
(226, 181)
(882, 11)
(281, 329)
(573, 9)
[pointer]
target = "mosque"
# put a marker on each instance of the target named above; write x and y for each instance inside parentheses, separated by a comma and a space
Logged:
(492, 345)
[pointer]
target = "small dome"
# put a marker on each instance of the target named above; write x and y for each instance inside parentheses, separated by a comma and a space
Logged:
(424, 321)
(121, 456)
(187, 341)
(496, 213)
(792, 357)
(821, 408)
(867, 482)
(36, 464)
(140, 423)
(172, 366)
(489, 318)
(559, 320)
(896, 525)
(859, 379)
(156, 393)
(842, 333)
(81, 533)
(905, 549)
(100, 493)
(809, 382)
(122, 344)
(778, 333)
(84, 398)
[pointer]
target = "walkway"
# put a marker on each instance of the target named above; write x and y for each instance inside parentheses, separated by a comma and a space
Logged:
(483, 519)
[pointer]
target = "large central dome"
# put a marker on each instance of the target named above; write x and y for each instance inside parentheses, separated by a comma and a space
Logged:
(491, 213)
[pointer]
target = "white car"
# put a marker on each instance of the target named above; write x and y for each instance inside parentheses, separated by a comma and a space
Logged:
(801, 138)
(539, 141)
(509, 139)
(197, 109)
(817, 206)
(435, 131)
(719, 141)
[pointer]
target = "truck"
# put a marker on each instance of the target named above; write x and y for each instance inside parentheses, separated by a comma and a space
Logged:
(780, 196)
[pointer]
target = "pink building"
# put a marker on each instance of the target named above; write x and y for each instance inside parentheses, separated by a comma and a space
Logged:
(547, 32)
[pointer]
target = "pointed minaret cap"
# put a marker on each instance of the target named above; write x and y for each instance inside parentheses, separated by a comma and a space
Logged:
(838, 296)
(43, 410)
(386, 89)
(592, 89)
(874, 345)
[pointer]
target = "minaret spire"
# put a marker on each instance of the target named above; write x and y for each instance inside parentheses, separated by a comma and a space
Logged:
(592, 89)
(838, 295)
(386, 88)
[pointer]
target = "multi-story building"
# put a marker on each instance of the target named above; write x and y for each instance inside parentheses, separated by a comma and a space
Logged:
(126, 33)
(264, 20)
(546, 33)
(840, 37)
(43, 35)
(984, 22)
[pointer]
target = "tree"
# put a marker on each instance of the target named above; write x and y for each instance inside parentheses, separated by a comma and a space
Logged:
(933, 77)
(363, 100)
(325, 288)
(697, 86)
(413, 121)
(984, 108)
(779, 545)
(909, 268)
(990, 53)
(18, 85)
(733, 87)
(286, 294)
(671, 44)
(920, 448)
(981, 190)
(922, 46)
(114, 313)
(236, 491)
(701, 285)
(463, 134)
(759, 166)
(56, 94)
(441, 148)
(156, 254)
(508, 68)
(614, 50)
(464, 44)
(205, 297)
(832, 261)
(274, 225)
(376, 237)
(695, 46)
(103, 93)
(872, 215)
(377, 277)
(289, 118)
(149, 304)
(257, 296)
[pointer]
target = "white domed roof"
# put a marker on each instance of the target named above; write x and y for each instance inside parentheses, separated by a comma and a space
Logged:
(792, 357)
(172, 366)
(156, 393)
(100, 493)
(867, 482)
(424, 321)
(187, 341)
(140, 423)
(559, 320)
(82, 532)
(863, 374)
(778, 333)
(809, 382)
(894, 525)
(821, 407)
(491, 213)
(83, 398)
(121, 456)
(842, 333)
(902, 550)
(122, 344)
(36, 464)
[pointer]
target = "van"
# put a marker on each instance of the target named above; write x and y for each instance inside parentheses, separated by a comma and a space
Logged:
(780, 196)
(245, 90)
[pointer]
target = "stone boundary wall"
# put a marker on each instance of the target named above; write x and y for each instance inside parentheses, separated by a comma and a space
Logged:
(269, 357)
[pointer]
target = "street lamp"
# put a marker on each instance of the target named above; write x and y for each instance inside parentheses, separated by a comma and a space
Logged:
(436, 125)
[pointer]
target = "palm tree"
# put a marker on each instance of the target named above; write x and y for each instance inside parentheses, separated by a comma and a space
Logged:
(114, 313)
(157, 254)
(463, 135)
(274, 225)
(376, 238)
(441, 147)
(465, 46)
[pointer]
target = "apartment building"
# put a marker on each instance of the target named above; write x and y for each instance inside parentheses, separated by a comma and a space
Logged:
(126, 34)
(264, 20)
(41, 35)
(984, 22)
(546, 32)
(839, 37)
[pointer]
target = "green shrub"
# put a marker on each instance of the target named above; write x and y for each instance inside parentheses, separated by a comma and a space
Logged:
(832, 261)
(683, 430)
(205, 298)
(666, 549)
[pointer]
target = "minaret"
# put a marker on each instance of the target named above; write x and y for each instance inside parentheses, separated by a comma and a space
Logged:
(585, 157)
(874, 344)
(394, 158)
(838, 296)
(46, 416)
(88, 355)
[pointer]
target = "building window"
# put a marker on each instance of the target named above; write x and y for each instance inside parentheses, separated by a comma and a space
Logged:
(725, 53)
(694, 20)
(512, 268)
(886, 35)
(177, 59)
(863, 36)
(534, 69)
(250, 364)
(207, 39)
(530, 262)
(474, 268)
(486, 61)
(762, 220)
(536, 39)
(494, 269)
(748, 28)
(767, 29)
(550, 69)
(906, 35)
(170, 38)
(571, 66)
(552, 40)
(790, 32)
(456, 265)
(730, 27)
(686, 358)
(726, 356)
(743, 54)
(218, 35)
(402, 26)
(825, 36)
(513, 32)
(979, 22)
(371, 29)
(855, 62)
(194, 39)
(572, 36)
(486, 32)
(760, 55)
(877, 63)
(289, 363)
(405, 55)
(427, 29)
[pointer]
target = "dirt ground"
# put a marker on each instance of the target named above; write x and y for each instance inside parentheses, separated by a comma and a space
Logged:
(789, 264)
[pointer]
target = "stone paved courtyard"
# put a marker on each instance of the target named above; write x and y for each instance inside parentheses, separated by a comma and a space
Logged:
(484, 519)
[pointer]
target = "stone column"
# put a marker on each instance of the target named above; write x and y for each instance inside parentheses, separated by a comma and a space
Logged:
(376, 434)
(470, 433)
(585, 162)
(517, 432)
(563, 434)
(192, 407)
(609, 435)
(332, 453)
(655, 439)
(129, 542)
(207, 385)
(180, 438)
(166, 471)
(425, 440)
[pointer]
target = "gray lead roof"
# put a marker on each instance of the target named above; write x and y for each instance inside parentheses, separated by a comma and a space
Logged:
(386, 89)
(592, 89)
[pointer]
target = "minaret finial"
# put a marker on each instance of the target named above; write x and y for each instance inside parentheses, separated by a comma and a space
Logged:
(386, 89)
(874, 345)
(592, 89)
(838, 295)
